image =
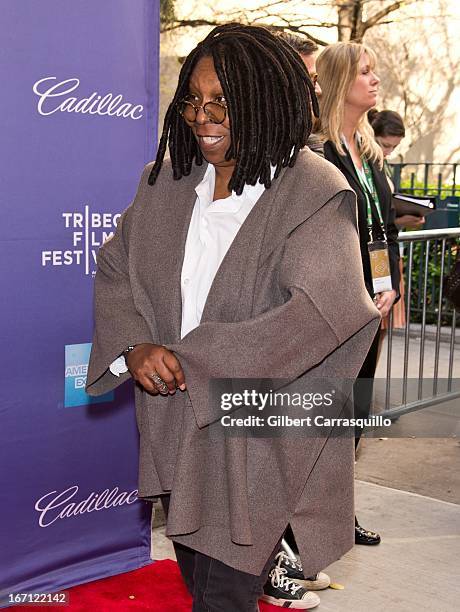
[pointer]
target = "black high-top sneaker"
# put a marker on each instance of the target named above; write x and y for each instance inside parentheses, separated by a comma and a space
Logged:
(283, 592)
(295, 572)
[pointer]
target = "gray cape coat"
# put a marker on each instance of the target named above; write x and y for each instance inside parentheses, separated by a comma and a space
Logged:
(288, 301)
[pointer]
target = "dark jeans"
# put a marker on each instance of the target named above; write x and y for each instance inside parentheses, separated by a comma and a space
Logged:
(215, 586)
(364, 385)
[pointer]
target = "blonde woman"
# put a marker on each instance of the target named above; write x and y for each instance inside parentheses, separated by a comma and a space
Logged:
(349, 86)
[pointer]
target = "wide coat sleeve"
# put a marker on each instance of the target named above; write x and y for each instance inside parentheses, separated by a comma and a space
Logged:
(326, 303)
(118, 324)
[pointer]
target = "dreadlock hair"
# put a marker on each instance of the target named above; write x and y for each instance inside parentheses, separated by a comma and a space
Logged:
(270, 101)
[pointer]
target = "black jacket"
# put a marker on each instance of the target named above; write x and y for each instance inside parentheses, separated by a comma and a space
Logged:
(345, 164)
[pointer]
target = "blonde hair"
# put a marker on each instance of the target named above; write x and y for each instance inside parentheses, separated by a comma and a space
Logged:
(338, 67)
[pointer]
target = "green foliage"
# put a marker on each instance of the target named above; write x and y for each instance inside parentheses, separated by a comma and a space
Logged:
(433, 281)
(167, 12)
(419, 189)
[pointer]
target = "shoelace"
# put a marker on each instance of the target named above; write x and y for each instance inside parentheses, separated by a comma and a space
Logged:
(283, 557)
(279, 580)
(286, 559)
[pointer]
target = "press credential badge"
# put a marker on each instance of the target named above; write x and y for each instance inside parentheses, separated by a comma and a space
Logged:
(380, 266)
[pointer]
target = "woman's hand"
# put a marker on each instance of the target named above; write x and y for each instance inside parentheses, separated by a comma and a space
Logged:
(147, 360)
(409, 221)
(384, 301)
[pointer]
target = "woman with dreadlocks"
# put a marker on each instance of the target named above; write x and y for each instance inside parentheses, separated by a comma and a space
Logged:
(234, 262)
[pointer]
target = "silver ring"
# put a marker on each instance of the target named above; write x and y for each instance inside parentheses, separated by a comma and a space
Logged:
(159, 382)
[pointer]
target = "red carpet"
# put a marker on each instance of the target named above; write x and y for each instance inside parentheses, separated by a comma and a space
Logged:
(157, 587)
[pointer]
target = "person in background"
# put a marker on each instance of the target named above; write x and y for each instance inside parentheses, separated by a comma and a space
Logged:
(388, 128)
(349, 87)
(389, 131)
(308, 50)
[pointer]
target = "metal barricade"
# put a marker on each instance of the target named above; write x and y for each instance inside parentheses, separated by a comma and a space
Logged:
(430, 256)
(440, 246)
(426, 178)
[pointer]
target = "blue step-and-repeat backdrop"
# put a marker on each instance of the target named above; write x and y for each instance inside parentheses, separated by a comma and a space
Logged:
(78, 113)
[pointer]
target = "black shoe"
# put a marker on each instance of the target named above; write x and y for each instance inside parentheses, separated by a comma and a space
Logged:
(295, 572)
(280, 591)
(363, 536)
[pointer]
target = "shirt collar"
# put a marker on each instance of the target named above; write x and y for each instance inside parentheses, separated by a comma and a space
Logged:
(205, 190)
(357, 139)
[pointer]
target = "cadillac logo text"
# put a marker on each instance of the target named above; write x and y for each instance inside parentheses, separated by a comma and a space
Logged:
(53, 97)
(54, 506)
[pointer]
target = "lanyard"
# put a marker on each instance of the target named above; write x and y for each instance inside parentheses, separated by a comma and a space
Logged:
(372, 197)
(370, 190)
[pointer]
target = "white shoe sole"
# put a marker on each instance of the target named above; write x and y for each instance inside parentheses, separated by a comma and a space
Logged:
(314, 585)
(306, 604)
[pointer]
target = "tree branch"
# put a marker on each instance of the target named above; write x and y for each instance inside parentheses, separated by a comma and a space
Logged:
(193, 23)
(451, 155)
(375, 19)
(189, 23)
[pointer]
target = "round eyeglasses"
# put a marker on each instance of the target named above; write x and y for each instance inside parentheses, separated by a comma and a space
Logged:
(214, 111)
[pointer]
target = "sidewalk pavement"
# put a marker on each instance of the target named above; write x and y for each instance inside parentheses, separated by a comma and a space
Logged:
(397, 357)
(430, 332)
(415, 568)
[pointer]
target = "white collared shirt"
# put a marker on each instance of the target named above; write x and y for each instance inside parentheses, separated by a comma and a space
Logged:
(212, 229)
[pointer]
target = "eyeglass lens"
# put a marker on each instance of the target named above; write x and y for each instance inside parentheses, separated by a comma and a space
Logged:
(215, 112)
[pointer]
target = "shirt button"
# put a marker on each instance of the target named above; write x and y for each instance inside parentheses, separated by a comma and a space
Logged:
(186, 281)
